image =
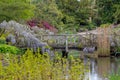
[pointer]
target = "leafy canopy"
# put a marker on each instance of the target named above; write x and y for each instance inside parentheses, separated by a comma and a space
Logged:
(109, 10)
(16, 10)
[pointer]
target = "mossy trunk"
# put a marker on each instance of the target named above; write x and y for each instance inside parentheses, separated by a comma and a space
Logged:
(103, 42)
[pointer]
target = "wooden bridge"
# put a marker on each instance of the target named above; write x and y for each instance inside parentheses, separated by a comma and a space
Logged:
(69, 41)
(102, 40)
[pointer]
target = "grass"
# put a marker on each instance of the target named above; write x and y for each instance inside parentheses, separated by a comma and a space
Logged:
(40, 67)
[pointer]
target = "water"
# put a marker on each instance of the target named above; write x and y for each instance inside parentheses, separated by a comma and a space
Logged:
(101, 68)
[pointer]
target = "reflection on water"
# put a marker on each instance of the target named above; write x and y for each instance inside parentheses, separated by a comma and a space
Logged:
(100, 68)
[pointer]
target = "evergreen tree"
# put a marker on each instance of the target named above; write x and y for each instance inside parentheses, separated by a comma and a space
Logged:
(109, 10)
(77, 13)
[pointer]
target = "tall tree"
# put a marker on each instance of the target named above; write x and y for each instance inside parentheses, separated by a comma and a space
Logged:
(78, 12)
(16, 10)
(47, 10)
(116, 14)
(109, 10)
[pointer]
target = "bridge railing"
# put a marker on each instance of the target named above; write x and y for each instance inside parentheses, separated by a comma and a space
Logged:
(68, 40)
(60, 39)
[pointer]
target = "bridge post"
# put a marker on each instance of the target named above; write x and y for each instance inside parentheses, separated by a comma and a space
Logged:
(66, 44)
(65, 52)
(41, 37)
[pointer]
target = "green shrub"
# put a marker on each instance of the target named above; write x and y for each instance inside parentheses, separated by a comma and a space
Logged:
(105, 25)
(2, 41)
(38, 67)
(8, 49)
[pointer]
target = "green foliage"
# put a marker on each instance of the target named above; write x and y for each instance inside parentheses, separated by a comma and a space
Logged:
(105, 25)
(117, 49)
(115, 76)
(30, 67)
(80, 45)
(77, 14)
(117, 12)
(8, 49)
(108, 10)
(63, 16)
(2, 37)
(88, 13)
(47, 10)
(2, 41)
(67, 15)
(16, 10)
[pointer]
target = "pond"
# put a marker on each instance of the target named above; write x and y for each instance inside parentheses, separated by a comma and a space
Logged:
(100, 68)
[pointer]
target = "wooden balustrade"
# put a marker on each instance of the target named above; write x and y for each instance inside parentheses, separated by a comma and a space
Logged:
(67, 41)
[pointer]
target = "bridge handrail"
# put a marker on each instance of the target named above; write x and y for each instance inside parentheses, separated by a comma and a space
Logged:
(62, 35)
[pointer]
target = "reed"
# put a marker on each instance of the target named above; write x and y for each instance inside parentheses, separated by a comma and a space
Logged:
(103, 41)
